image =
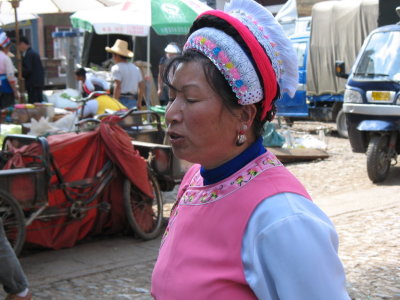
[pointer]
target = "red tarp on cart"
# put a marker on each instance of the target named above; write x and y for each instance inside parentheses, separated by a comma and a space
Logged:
(80, 156)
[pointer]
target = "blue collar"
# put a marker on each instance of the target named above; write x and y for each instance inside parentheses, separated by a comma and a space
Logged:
(227, 169)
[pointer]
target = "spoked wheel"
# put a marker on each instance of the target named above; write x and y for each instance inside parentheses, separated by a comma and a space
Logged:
(378, 160)
(13, 221)
(144, 214)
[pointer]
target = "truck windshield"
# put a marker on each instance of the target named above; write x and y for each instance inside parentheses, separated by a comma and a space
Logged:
(380, 60)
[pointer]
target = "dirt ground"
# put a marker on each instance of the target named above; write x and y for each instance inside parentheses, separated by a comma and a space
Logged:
(343, 171)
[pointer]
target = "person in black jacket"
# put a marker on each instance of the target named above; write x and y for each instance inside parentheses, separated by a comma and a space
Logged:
(32, 71)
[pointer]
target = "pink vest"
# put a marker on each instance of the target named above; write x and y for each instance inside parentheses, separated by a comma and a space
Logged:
(200, 254)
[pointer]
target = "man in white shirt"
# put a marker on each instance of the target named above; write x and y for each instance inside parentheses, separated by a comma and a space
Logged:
(128, 81)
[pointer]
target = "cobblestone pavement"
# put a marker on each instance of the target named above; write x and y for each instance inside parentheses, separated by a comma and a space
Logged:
(369, 249)
(370, 252)
(132, 282)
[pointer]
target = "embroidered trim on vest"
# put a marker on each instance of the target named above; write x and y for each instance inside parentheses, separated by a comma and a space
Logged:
(212, 193)
(197, 194)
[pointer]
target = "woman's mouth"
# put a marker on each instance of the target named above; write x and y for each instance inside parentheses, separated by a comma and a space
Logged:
(175, 138)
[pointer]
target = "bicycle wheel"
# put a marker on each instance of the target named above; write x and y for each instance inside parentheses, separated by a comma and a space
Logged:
(144, 214)
(13, 221)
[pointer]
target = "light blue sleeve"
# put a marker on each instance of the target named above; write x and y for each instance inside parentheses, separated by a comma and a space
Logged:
(289, 251)
(99, 81)
(89, 83)
(91, 108)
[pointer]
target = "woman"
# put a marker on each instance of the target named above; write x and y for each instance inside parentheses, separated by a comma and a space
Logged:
(8, 82)
(243, 227)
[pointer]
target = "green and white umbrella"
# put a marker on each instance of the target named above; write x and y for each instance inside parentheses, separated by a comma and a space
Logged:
(135, 17)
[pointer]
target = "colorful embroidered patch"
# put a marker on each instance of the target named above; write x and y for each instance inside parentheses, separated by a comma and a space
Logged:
(231, 61)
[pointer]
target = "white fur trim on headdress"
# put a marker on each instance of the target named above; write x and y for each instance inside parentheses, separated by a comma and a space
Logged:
(231, 61)
(273, 39)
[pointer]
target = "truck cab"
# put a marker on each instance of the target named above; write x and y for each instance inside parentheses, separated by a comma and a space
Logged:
(373, 87)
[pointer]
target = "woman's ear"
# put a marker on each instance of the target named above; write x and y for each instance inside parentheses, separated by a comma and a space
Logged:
(247, 114)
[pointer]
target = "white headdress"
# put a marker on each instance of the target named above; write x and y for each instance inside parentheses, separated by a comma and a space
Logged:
(269, 57)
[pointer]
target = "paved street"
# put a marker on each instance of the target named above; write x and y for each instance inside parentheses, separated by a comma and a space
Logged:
(120, 267)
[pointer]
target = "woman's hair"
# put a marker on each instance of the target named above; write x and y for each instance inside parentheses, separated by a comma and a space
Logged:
(80, 72)
(214, 77)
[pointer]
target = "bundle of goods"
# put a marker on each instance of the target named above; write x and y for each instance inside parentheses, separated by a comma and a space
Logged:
(23, 113)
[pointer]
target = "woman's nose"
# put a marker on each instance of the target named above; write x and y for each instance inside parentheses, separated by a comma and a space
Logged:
(172, 114)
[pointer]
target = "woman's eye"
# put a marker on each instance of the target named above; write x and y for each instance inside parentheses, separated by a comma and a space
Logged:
(191, 100)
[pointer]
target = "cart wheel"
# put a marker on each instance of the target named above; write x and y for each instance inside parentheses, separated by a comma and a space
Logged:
(144, 214)
(13, 221)
(378, 160)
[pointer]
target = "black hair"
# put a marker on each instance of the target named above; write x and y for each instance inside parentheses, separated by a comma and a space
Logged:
(80, 72)
(24, 39)
(121, 56)
(214, 77)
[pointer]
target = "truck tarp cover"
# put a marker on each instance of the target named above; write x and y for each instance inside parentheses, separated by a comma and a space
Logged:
(338, 30)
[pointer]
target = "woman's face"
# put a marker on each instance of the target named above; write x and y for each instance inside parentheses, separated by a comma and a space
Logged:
(201, 129)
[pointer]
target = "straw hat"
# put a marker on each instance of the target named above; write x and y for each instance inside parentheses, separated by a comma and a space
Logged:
(121, 48)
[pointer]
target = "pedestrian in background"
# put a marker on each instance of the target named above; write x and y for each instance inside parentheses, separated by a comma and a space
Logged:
(89, 83)
(12, 277)
(32, 71)
(99, 105)
(128, 83)
(243, 226)
(8, 81)
(171, 51)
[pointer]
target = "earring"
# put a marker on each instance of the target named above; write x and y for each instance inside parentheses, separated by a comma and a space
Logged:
(241, 138)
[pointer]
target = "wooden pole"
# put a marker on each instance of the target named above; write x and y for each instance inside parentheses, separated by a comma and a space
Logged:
(21, 84)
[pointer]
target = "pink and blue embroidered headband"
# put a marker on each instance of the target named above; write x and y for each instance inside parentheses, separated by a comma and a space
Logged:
(224, 52)
(276, 62)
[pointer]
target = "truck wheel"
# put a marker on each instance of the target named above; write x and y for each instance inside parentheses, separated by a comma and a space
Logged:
(144, 214)
(289, 121)
(378, 160)
(341, 124)
(13, 221)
